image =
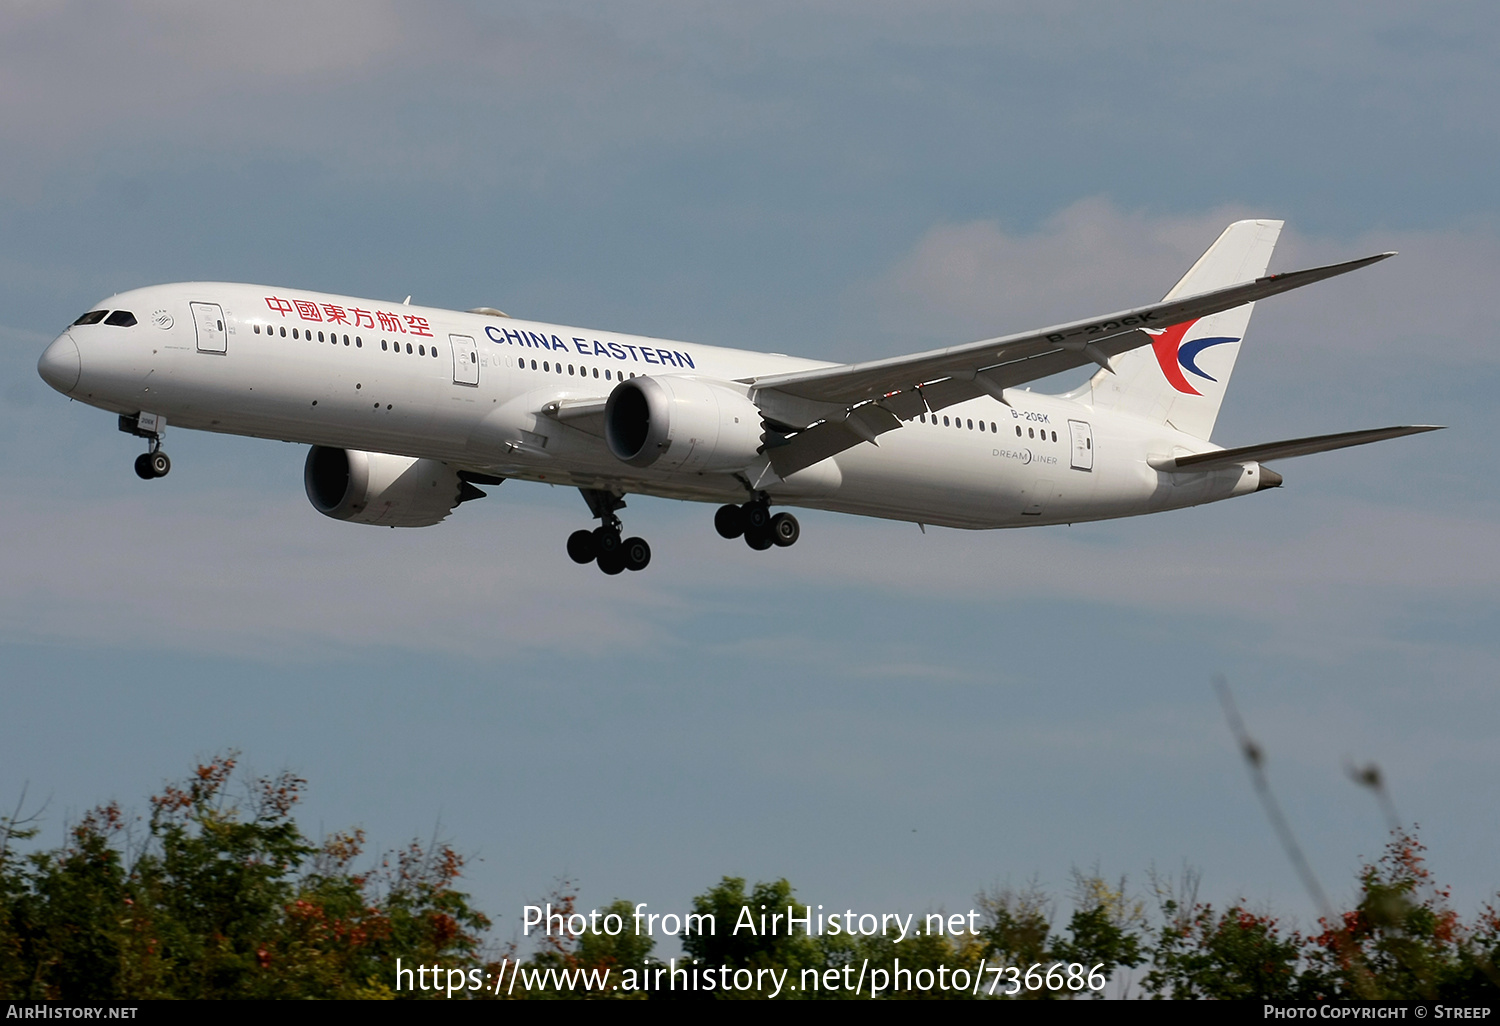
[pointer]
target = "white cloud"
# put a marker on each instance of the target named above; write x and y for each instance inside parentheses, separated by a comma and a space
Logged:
(975, 279)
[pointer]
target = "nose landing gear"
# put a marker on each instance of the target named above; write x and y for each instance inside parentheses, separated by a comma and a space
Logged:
(755, 523)
(153, 462)
(603, 545)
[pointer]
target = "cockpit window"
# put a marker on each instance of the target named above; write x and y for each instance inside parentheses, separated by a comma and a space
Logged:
(92, 317)
(121, 319)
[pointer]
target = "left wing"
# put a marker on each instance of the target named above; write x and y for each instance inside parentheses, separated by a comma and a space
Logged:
(878, 395)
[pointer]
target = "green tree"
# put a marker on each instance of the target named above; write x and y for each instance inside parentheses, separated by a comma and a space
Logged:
(1017, 925)
(222, 899)
(1102, 932)
(1231, 955)
(746, 937)
(589, 954)
(923, 957)
(1402, 941)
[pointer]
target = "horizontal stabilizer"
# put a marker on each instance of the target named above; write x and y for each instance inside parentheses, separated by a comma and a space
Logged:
(1295, 447)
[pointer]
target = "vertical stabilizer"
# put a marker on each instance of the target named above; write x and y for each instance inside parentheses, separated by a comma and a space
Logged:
(1180, 378)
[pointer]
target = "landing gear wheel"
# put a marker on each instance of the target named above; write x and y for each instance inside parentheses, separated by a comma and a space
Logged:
(603, 545)
(143, 467)
(159, 463)
(785, 530)
(729, 521)
(756, 515)
(581, 546)
(606, 542)
(758, 540)
(636, 553)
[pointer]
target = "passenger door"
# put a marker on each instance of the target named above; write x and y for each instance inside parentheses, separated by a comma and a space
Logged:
(1083, 445)
(465, 360)
(209, 320)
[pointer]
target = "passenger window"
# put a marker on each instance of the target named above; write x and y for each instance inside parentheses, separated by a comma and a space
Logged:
(92, 317)
(606, 375)
(383, 346)
(1018, 431)
(408, 349)
(971, 425)
(596, 372)
(294, 333)
(981, 425)
(545, 366)
(945, 422)
(421, 350)
(570, 370)
(1031, 432)
(533, 365)
(121, 319)
(1054, 436)
(283, 333)
(257, 329)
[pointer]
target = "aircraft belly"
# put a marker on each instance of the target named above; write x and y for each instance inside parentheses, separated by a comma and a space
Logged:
(911, 475)
(960, 479)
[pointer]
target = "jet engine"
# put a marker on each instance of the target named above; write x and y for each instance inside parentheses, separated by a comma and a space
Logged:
(680, 423)
(378, 488)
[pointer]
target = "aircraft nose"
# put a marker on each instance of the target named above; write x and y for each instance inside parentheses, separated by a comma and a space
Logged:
(61, 365)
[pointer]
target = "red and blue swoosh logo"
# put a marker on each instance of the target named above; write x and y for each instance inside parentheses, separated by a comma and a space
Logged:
(1175, 356)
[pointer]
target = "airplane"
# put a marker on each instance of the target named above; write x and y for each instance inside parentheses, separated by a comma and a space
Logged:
(409, 409)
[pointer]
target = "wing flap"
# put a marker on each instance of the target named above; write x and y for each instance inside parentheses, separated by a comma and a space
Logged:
(830, 437)
(1293, 447)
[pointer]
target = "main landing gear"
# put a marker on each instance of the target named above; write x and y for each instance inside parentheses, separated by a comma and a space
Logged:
(603, 545)
(754, 522)
(153, 462)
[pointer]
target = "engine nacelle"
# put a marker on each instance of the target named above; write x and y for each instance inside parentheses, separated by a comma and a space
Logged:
(678, 423)
(377, 488)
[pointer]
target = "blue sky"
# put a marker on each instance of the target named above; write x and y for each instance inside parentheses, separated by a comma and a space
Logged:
(890, 720)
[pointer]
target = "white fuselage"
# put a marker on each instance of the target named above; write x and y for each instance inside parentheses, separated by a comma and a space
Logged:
(473, 392)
